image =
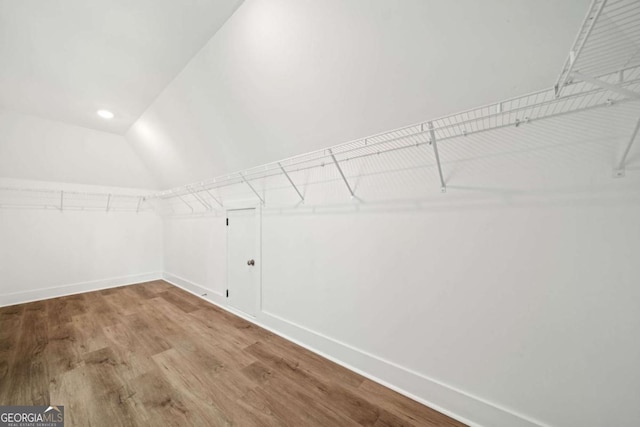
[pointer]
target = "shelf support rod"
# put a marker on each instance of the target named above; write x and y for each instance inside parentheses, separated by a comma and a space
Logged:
(214, 198)
(139, 203)
(61, 200)
(608, 86)
(251, 187)
(108, 201)
(619, 170)
(291, 182)
(185, 202)
(202, 201)
(344, 178)
(198, 198)
(574, 54)
(171, 207)
(432, 135)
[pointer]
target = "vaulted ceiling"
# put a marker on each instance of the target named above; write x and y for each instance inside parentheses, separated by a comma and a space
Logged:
(284, 77)
(65, 59)
(204, 87)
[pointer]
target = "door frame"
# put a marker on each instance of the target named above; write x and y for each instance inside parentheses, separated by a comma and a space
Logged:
(238, 206)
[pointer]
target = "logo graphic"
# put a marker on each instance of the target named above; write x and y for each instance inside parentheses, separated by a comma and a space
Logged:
(31, 416)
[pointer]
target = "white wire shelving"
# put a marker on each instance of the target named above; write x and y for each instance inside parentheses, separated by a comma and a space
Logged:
(519, 111)
(62, 200)
(603, 68)
(608, 41)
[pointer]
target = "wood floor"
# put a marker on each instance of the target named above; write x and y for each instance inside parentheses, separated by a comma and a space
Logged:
(153, 354)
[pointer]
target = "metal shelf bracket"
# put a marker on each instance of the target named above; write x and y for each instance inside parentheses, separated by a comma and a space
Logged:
(185, 202)
(432, 140)
(214, 198)
(335, 161)
(206, 205)
(608, 86)
(252, 189)
(291, 182)
(619, 171)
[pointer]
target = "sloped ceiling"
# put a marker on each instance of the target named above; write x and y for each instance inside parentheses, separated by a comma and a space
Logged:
(283, 77)
(65, 59)
(279, 78)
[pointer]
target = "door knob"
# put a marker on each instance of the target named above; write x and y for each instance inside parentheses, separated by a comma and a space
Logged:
(251, 262)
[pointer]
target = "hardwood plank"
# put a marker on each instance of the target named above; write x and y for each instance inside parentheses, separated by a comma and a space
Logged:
(135, 356)
(297, 405)
(229, 327)
(26, 378)
(313, 362)
(163, 402)
(124, 302)
(407, 409)
(157, 286)
(153, 354)
(98, 308)
(178, 301)
(195, 381)
(62, 351)
(93, 396)
(317, 388)
(143, 291)
(11, 318)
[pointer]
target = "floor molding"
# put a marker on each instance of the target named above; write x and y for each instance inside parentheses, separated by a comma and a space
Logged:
(199, 291)
(450, 401)
(75, 288)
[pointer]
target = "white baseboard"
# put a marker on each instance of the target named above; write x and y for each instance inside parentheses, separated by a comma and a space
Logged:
(444, 398)
(75, 288)
(199, 291)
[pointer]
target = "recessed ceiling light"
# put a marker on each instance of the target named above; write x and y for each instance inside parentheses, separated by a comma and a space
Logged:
(105, 114)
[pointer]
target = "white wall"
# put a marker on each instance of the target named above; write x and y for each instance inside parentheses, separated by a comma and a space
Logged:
(195, 249)
(40, 149)
(283, 77)
(48, 253)
(532, 308)
(511, 300)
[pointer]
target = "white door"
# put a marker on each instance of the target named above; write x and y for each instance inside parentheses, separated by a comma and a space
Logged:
(243, 289)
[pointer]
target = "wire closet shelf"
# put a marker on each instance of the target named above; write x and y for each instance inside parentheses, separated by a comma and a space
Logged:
(608, 41)
(578, 96)
(602, 69)
(61, 200)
